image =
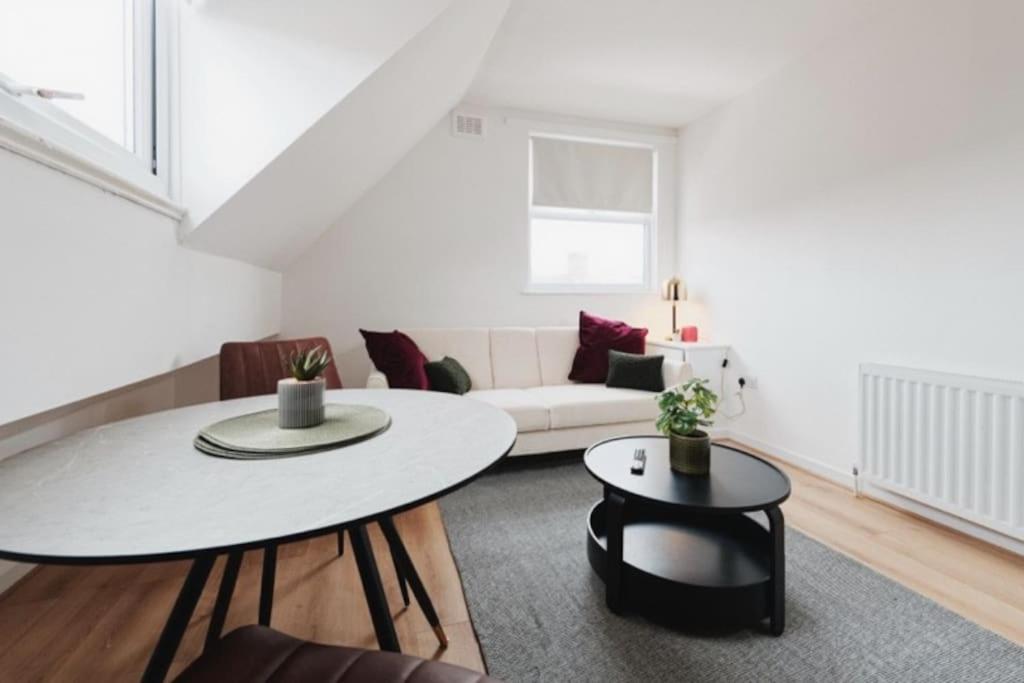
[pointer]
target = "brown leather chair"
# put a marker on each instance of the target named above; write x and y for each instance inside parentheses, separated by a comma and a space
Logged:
(253, 369)
(256, 654)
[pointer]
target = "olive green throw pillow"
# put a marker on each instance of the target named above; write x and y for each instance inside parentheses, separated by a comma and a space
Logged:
(635, 371)
(448, 375)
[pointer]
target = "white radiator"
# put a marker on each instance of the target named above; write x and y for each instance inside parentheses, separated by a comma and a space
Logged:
(952, 442)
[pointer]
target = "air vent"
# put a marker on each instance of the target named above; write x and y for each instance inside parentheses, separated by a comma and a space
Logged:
(467, 125)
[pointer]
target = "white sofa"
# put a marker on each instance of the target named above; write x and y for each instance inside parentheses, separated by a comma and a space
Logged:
(525, 371)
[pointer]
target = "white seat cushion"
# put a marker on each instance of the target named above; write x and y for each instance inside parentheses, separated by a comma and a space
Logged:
(579, 405)
(556, 349)
(514, 358)
(528, 413)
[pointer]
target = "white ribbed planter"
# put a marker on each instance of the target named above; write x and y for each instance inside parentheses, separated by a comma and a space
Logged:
(300, 404)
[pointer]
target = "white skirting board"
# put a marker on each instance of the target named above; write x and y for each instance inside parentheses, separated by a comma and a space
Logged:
(939, 517)
(829, 472)
(847, 480)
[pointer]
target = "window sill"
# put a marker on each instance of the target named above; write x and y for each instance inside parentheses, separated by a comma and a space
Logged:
(148, 192)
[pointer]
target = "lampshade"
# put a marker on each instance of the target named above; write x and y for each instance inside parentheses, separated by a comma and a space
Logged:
(673, 289)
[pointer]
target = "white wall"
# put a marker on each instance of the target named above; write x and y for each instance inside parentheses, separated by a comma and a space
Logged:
(864, 205)
(96, 293)
(442, 241)
(188, 385)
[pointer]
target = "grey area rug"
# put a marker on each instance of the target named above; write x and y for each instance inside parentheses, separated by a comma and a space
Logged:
(519, 541)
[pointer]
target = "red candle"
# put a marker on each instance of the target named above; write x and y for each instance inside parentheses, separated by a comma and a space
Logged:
(688, 334)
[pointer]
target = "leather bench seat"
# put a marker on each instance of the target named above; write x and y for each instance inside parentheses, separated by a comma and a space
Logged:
(257, 654)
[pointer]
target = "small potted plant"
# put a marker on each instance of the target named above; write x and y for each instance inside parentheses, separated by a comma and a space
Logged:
(684, 409)
(300, 398)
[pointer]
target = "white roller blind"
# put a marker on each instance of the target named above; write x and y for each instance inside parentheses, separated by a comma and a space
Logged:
(590, 175)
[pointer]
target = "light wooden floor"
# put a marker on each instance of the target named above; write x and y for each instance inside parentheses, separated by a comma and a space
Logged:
(99, 624)
(979, 581)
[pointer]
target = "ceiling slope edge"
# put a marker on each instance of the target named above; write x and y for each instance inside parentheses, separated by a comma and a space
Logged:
(279, 213)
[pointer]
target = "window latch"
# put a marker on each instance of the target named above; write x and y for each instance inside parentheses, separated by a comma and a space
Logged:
(15, 89)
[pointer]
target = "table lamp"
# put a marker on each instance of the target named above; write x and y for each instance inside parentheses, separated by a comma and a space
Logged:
(674, 290)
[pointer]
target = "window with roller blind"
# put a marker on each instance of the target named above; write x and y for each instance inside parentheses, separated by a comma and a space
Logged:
(592, 213)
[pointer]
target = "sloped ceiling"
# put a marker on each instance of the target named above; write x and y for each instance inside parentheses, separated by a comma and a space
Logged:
(282, 209)
(255, 74)
(650, 61)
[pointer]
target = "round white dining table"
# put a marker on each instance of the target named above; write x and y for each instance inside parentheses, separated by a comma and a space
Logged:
(138, 491)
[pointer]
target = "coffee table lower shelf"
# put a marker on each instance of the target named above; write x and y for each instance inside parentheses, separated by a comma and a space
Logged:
(688, 570)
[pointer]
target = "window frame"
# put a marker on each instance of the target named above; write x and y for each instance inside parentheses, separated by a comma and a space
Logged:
(649, 220)
(38, 129)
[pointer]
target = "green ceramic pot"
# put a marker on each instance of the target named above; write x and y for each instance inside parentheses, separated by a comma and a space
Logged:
(690, 454)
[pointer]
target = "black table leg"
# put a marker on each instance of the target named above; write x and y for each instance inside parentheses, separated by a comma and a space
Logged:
(405, 567)
(403, 583)
(777, 602)
(613, 571)
(224, 593)
(267, 584)
(383, 626)
(177, 621)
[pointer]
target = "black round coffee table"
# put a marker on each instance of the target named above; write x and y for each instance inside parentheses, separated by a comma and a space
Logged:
(682, 549)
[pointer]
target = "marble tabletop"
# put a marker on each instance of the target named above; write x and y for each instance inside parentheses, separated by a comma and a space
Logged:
(137, 490)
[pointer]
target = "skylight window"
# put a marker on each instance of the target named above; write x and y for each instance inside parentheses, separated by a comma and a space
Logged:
(80, 76)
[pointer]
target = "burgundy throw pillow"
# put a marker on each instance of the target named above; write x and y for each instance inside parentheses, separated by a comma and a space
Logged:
(598, 336)
(398, 357)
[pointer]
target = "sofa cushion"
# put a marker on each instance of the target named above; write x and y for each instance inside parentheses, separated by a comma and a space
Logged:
(397, 356)
(597, 337)
(514, 358)
(529, 414)
(448, 375)
(556, 347)
(471, 345)
(579, 405)
(633, 371)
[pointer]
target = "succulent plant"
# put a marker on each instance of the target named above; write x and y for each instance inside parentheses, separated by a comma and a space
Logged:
(307, 365)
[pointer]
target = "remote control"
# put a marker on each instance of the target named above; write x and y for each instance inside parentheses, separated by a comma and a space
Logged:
(639, 461)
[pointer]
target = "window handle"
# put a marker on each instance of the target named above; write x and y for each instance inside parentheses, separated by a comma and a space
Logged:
(15, 89)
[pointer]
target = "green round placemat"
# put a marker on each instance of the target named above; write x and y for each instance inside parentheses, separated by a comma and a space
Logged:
(257, 434)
